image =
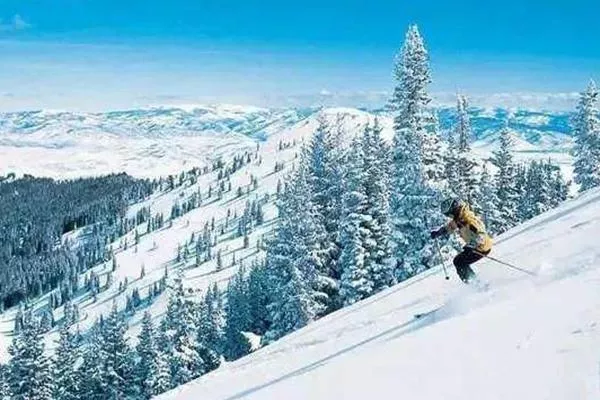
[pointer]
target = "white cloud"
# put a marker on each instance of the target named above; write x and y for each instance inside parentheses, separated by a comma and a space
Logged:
(16, 23)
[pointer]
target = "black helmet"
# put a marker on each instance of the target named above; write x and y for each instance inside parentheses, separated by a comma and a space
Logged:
(450, 206)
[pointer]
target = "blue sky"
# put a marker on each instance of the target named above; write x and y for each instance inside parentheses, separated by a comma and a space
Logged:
(109, 54)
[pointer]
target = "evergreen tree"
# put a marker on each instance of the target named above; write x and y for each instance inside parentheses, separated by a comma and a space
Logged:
(29, 374)
(66, 376)
(487, 201)
(559, 187)
(294, 259)
(541, 187)
(68, 314)
(587, 140)
(523, 175)
(293, 307)
(377, 190)
(219, 260)
(209, 336)
(504, 182)
(258, 299)
(4, 387)
(466, 185)
(323, 159)
(92, 377)
(433, 153)
(213, 323)
(46, 320)
(162, 380)
(18, 320)
(414, 202)
(117, 356)
(237, 318)
(180, 332)
(146, 369)
(356, 282)
(451, 163)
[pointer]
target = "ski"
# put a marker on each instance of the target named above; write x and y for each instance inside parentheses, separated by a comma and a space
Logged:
(426, 313)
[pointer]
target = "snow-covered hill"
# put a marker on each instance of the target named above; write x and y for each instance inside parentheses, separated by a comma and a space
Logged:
(534, 338)
(160, 141)
(156, 251)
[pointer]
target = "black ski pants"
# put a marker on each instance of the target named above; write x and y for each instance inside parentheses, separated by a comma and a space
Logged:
(463, 261)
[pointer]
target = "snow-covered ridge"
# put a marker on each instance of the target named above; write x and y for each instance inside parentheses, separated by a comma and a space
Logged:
(155, 122)
(248, 120)
(164, 140)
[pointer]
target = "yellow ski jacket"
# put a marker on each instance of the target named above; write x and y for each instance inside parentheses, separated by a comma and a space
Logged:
(471, 229)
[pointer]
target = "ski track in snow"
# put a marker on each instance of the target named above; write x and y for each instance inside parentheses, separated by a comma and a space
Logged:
(535, 338)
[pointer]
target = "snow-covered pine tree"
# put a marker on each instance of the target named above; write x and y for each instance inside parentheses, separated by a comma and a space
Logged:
(433, 152)
(294, 259)
(65, 375)
(539, 188)
(92, 375)
(545, 197)
(162, 380)
(216, 320)
(356, 283)
(68, 314)
(524, 194)
(118, 360)
(587, 140)
(504, 182)
(487, 200)
(414, 201)
(466, 164)
(146, 368)
(209, 336)
(4, 387)
(293, 307)
(237, 319)
(18, 320)
(258, 299)
(559, 187)
(323, 158)
(451, 163)
(544, 189)
(46, 320)
(376, 155)
(29, 370)
(180, 336)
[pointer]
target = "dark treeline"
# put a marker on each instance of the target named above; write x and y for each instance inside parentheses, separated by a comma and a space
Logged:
(36, 212)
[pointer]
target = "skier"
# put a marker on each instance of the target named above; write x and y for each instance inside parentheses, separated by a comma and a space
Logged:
(472, 231)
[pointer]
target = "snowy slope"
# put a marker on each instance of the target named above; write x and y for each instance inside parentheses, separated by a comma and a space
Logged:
(147, 143)
(161, 141)
(157, 250)
(525, 338)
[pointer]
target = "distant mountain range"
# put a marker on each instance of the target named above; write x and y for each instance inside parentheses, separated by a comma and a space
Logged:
(91, 143)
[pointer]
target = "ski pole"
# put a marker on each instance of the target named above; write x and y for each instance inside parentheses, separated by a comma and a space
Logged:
(525, 271)
(442, 259)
